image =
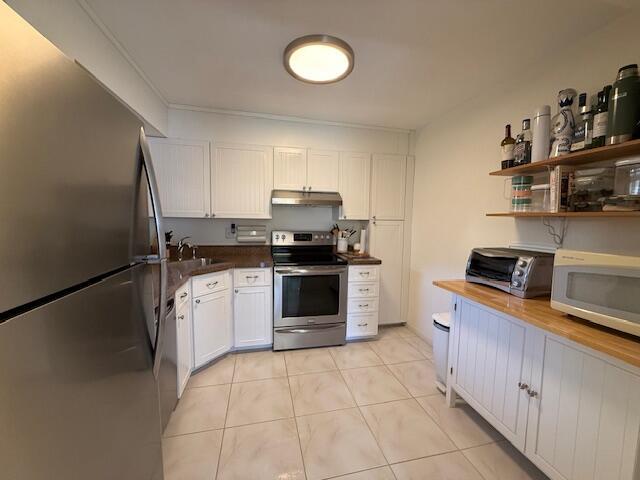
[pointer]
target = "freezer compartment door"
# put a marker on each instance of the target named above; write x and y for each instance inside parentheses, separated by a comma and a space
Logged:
(78, 398)
(69, 156)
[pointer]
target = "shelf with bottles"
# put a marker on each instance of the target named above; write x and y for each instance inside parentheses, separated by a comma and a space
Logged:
(604, 214)
(582, 157)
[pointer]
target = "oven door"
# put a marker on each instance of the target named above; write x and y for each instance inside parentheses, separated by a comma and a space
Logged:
(605, 295)
(313, 295)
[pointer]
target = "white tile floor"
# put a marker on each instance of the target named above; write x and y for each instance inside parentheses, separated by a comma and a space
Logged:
(363, 411)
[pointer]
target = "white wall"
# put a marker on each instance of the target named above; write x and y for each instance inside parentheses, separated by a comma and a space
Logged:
(260, 130)
(453, 190)
(69, 25)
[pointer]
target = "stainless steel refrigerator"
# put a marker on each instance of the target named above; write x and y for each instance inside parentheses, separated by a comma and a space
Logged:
(82, 280)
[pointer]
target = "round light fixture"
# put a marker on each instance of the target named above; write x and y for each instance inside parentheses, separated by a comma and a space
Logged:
(318, 59)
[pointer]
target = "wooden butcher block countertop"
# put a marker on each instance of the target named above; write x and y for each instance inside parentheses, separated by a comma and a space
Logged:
(538, 312)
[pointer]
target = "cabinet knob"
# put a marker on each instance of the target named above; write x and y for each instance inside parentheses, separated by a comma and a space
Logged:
(522, 386)
(363, 324)
(198, 300)
(304, 188)
(212, 284)
(309, 188)
(236, 290)
(532, 393)
(206, 214)
(184, 295)
(180, 317)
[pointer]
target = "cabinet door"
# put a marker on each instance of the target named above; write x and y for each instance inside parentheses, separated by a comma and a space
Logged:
(185, 345)
(241, 181)
(388, 183)
(386, 240)
(252, 316)
(585, 420)
(323, 170)
(212, 324)
(355, 180)
(489, 364)
(289, 168)
(182, 172)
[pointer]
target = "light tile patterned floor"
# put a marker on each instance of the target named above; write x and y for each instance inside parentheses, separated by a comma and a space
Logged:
(363, 411)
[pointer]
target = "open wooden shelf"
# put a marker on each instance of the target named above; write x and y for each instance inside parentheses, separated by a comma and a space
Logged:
(610, 152)
(568, 214)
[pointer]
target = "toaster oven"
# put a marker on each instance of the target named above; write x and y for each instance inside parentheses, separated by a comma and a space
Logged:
(523, 273)
(598, 287)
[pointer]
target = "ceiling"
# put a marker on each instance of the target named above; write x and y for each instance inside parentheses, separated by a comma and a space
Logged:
(414, 59)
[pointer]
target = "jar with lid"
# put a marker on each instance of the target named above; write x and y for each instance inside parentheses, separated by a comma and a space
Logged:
(521, 193)
(541, 198)
(591, 187)
(627, 177)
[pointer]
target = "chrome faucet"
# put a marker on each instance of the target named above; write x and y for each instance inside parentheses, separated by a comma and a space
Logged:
(181, 245)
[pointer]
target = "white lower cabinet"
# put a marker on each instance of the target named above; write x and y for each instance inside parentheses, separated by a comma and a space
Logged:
(573, 412)
(362, 303)
(212, 322)
(184, 336)
(386, 243)
(585, 420)
(252, 308)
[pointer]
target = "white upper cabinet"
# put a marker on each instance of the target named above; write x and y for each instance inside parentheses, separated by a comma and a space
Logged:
(241, 181)
(323, 168)
(388, 183)
(354, 181)
(289, 168)
(182, 173)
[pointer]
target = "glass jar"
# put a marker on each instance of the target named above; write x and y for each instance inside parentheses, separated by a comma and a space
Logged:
(591, 187)
(521, 193)
(541, 198)
(627, 178)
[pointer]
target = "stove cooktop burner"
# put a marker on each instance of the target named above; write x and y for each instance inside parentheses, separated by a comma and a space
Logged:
(308, 258)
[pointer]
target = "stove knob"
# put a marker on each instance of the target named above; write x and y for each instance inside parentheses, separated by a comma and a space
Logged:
(519, 273)
(316, 237)
(522, 263)
(516, 283)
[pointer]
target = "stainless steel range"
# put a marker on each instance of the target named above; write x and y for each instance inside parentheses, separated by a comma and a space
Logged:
(310, 291)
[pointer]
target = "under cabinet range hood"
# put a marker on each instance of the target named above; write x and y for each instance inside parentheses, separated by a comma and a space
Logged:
(306, 199)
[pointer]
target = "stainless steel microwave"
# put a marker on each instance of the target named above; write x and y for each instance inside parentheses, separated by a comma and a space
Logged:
(523, 273)
(598, 287)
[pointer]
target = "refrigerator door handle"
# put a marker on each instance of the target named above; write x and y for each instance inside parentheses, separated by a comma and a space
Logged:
(161, 258)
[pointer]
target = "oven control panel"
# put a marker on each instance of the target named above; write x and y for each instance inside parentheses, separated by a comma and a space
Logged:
(279, 237)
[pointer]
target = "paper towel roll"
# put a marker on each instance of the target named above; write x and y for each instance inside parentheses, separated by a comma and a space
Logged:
(363, 241)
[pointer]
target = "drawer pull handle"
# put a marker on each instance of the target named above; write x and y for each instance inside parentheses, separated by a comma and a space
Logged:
(180, 317)
(254, 277)
(366, 305)
(363, 324)
(363, 289)
(362, 274)
(212, 284)
(532, 393)
(184, 295)
(522, 386)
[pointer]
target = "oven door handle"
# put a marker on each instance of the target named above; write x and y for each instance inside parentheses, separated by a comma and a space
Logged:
(311, 271)
(311, 330)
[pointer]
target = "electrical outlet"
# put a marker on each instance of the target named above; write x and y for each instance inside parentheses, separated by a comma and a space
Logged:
(229, 233)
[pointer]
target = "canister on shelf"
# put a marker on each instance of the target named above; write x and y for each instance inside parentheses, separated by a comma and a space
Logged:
(627, 177)
(521, 193)
(541, 198)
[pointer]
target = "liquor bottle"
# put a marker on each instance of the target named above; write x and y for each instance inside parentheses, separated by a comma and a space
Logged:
(522, 149)
(506, 147)
(582, 132)
(563, 123)
(601, 118)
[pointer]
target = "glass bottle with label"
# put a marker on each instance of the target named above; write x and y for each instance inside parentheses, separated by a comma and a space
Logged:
(522, 149)
(506, 147)
(582, 132)
(601, 118)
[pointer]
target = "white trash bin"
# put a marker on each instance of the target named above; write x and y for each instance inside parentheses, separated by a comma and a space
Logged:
(441, 325)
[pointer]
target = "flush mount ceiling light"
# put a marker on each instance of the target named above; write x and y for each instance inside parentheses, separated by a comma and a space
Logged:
(318, 59)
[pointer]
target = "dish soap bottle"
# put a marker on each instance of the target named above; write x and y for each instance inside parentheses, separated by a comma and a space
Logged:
(563, 123)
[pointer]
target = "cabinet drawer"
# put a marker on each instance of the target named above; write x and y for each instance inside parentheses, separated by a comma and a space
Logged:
(364, 273)
(182, 295)
(214, 282)
(362, 325)
(362, 305)
(363, 290)
(251, 277)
